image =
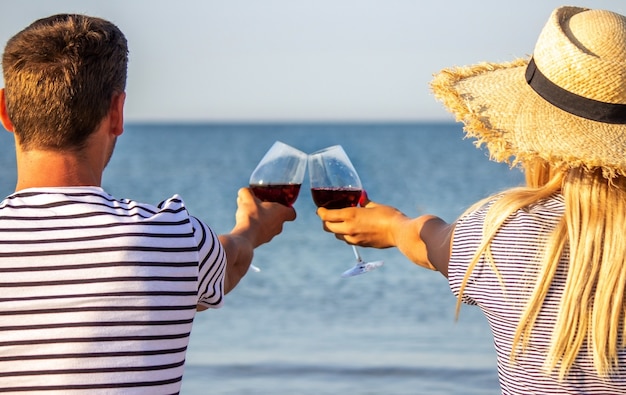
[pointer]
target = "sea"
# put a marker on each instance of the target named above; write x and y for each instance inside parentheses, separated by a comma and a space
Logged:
(297, 327)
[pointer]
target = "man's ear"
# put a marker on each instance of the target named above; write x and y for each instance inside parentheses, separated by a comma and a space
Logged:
(4, 114)
(116, 112)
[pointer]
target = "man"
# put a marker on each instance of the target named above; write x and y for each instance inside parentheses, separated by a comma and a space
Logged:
(98, 294)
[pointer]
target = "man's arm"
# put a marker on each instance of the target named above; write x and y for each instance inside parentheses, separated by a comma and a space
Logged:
(256, 223)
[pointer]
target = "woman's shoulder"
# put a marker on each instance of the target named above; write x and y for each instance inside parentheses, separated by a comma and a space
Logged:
(503, 210)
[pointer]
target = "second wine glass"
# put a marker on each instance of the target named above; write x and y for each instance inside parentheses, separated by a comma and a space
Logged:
(336, 184)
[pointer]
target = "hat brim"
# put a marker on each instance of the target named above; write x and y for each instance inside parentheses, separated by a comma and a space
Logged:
(500, 110)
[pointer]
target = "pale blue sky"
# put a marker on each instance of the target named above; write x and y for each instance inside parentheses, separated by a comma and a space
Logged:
(294, 60)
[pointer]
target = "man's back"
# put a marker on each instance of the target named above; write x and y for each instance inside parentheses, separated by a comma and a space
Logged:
(98, 293)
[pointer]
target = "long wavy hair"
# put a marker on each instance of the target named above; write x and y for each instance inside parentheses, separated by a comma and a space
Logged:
(592, 311)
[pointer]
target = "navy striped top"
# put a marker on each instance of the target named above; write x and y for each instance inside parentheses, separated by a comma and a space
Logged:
(97, 294)
(515, 251)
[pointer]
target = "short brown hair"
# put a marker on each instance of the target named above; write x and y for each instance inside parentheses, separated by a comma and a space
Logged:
(60, 75)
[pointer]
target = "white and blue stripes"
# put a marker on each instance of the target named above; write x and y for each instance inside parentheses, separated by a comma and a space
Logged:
(516, 250)
(98, 295)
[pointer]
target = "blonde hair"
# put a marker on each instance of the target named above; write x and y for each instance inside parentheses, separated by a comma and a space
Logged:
(593, 304)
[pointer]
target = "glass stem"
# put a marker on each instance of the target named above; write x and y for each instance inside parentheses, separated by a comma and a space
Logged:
(356, 254)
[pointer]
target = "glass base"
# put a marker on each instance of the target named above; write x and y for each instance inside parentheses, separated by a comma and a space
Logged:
(254, 268)
(362, 267)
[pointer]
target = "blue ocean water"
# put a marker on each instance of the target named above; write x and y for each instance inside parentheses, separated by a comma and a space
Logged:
(297, 327)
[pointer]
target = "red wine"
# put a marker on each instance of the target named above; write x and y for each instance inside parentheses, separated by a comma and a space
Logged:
(335, 197)
(285, 194)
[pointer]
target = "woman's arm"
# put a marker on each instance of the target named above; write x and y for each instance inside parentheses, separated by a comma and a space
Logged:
(425, 240)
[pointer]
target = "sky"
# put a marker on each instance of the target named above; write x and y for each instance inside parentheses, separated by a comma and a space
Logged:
(296, 60)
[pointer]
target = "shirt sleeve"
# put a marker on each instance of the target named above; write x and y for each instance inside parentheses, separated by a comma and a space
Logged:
(212, 265)
(468, 233)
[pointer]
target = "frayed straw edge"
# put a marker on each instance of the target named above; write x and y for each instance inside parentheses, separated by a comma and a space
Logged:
(443, 87)
(475, 126)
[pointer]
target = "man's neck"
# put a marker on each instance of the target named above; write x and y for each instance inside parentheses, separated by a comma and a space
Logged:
(42, 168)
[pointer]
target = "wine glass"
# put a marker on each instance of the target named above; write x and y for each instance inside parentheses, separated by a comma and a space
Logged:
(278, 176)
(336, 184)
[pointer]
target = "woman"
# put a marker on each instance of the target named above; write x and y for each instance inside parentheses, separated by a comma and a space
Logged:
(546, 263)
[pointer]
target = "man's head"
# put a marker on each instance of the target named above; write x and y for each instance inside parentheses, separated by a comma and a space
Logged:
(60, 74)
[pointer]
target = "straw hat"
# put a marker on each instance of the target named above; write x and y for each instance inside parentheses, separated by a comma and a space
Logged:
(566, 104)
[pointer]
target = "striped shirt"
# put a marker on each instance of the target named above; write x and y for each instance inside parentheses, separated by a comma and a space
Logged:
(97, 294)
(515, 253)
